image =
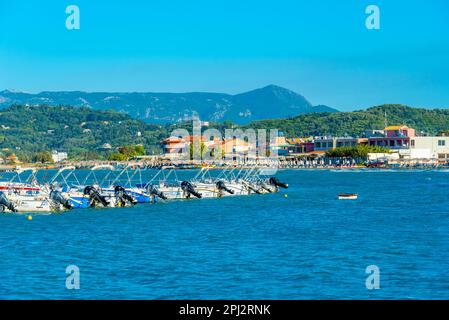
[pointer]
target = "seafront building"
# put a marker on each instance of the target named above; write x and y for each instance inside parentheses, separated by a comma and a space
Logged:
(300, 145)
(428, 148)
(58, 156)
(329, 143)
(174, 146)
(393, 137)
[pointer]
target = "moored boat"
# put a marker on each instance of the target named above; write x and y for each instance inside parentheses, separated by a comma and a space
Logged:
(347, 196)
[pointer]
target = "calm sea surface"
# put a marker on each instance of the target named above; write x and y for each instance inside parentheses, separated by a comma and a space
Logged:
(305, 246)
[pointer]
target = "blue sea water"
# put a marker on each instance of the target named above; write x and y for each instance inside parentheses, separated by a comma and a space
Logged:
(308, 245)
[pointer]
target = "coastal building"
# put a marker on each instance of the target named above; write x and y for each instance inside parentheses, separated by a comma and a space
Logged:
(297, 146)
(428, 148)
(236, 146)
(174, 145)
(323, 143)
(399, 131)
(406, 145)
(279, 145)
(105, 147)
(393, 137)
(58, 156)
(328, 143)
(383, 157)
(373, 133)
(350, 142)
(212, 142)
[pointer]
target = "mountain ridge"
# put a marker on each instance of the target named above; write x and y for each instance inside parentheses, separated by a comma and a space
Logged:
(268, 102)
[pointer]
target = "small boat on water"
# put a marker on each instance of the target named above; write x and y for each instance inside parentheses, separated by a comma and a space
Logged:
(27, 195)
(347, 196)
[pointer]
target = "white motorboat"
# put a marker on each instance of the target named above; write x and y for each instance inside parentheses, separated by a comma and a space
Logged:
(17, 195)
(348, 196)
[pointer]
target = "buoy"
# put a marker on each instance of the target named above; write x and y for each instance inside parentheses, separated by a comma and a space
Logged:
(30, 217)
(286, 195)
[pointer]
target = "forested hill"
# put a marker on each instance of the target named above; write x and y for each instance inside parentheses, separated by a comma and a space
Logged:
(80, 131)
(354, 123)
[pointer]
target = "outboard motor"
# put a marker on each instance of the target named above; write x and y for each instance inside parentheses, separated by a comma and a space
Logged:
(123, 196)
(222, 187)
(156, 192)
(95, 196)
(5, 203)
(275, 182)
(252, 188)
(266, 187)
(57, 197)
(188, 188)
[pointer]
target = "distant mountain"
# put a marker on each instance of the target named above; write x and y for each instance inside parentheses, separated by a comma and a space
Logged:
(323, 108)
(269, 102)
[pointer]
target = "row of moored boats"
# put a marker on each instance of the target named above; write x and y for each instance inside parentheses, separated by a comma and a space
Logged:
(122, 188)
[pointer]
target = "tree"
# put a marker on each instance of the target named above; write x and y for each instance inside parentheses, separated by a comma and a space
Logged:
(139, 150)
(194, 151)
(43, 157)
(117, 156)
(127, 152)
(360, 151)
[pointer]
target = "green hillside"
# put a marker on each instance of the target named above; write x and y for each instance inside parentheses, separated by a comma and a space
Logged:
(354, 123)
(81, 132)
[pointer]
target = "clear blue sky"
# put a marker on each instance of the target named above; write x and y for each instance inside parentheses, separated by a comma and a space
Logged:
(320, 49)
